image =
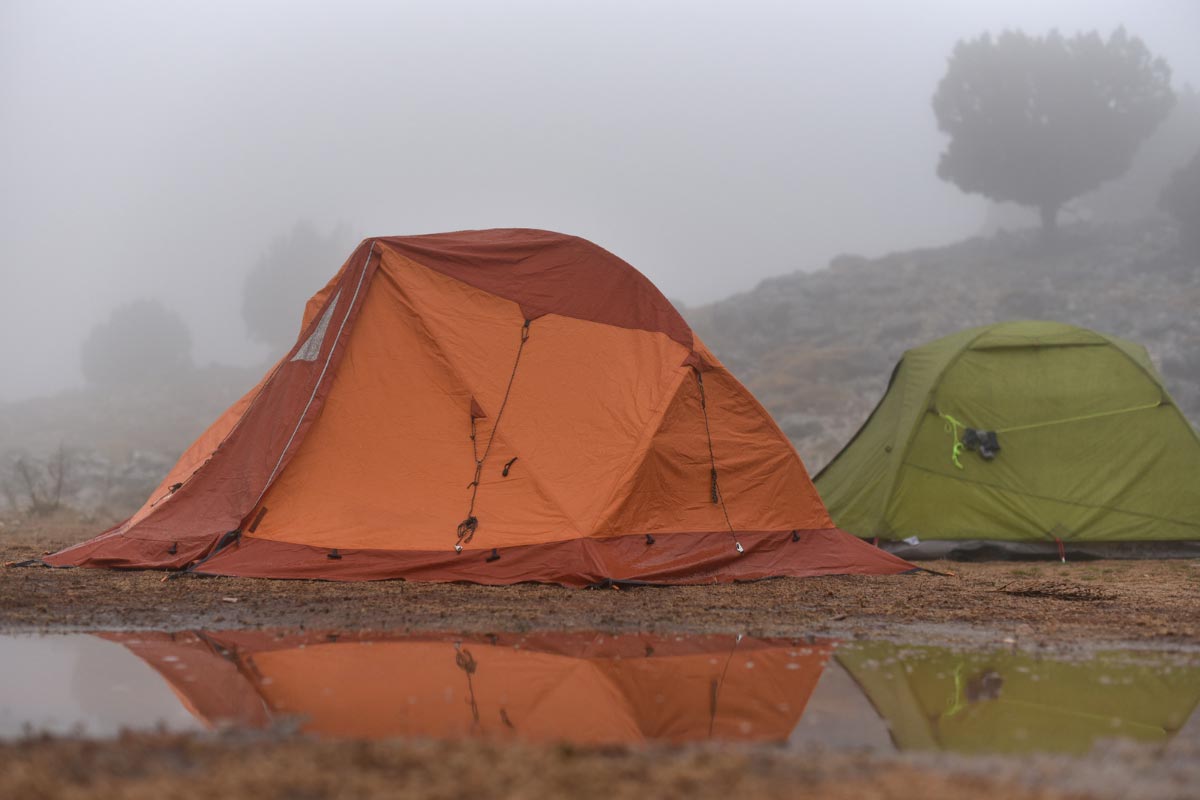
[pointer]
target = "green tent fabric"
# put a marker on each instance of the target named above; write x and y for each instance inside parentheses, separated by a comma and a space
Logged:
(1092, 448)
(934, 698)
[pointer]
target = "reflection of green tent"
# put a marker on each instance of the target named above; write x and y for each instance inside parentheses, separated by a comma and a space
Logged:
(1091, 446)
(935, 698)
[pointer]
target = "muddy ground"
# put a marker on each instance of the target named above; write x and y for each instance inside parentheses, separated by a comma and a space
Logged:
(1044, 604)
(1070, 608)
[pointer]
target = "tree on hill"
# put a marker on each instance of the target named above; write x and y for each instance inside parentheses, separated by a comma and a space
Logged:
(292, 269)
(1039, 120)
(1181, 199)
(141, 342)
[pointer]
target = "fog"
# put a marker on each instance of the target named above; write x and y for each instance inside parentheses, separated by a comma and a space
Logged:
(154, 150)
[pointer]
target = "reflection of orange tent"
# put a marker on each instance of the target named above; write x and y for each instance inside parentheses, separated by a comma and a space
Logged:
(207, 683)
(584, 688)
(492, 406)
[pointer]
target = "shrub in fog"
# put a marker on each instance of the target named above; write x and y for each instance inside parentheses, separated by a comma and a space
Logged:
(140, 343)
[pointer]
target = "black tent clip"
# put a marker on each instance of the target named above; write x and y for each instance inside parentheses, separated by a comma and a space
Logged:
(795, 536)
(985, 442)
(495, 556)
(334, 555)
(649, 539)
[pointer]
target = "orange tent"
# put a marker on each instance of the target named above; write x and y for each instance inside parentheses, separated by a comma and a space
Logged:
(586, 688)
(491, 406)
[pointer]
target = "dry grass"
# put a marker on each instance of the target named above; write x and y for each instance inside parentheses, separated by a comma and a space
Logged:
(155, 767)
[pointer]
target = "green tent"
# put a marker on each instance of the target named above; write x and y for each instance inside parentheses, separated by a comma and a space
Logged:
(1021, 432)
(934, 698)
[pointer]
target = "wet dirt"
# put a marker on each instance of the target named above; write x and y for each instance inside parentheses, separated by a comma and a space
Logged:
(1042, 604)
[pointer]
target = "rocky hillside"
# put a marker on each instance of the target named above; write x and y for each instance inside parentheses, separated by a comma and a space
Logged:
(100, 451)
(817, 348)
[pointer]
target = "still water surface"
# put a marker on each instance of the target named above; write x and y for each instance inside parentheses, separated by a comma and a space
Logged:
(590, 688)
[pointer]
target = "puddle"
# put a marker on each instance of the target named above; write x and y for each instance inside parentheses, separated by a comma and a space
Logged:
(68, 683)
(593, 689)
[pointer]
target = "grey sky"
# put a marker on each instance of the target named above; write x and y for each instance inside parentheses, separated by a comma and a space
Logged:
(153, 149)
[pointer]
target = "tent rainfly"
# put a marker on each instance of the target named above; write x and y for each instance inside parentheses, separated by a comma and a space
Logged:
(490, 406)
(1021, 432)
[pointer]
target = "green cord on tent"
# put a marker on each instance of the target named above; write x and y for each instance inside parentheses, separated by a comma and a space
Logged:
(952, 427)
(1083, 418)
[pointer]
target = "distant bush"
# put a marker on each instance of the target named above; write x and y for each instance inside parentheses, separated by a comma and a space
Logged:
(141, 342)
(1181, 198)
